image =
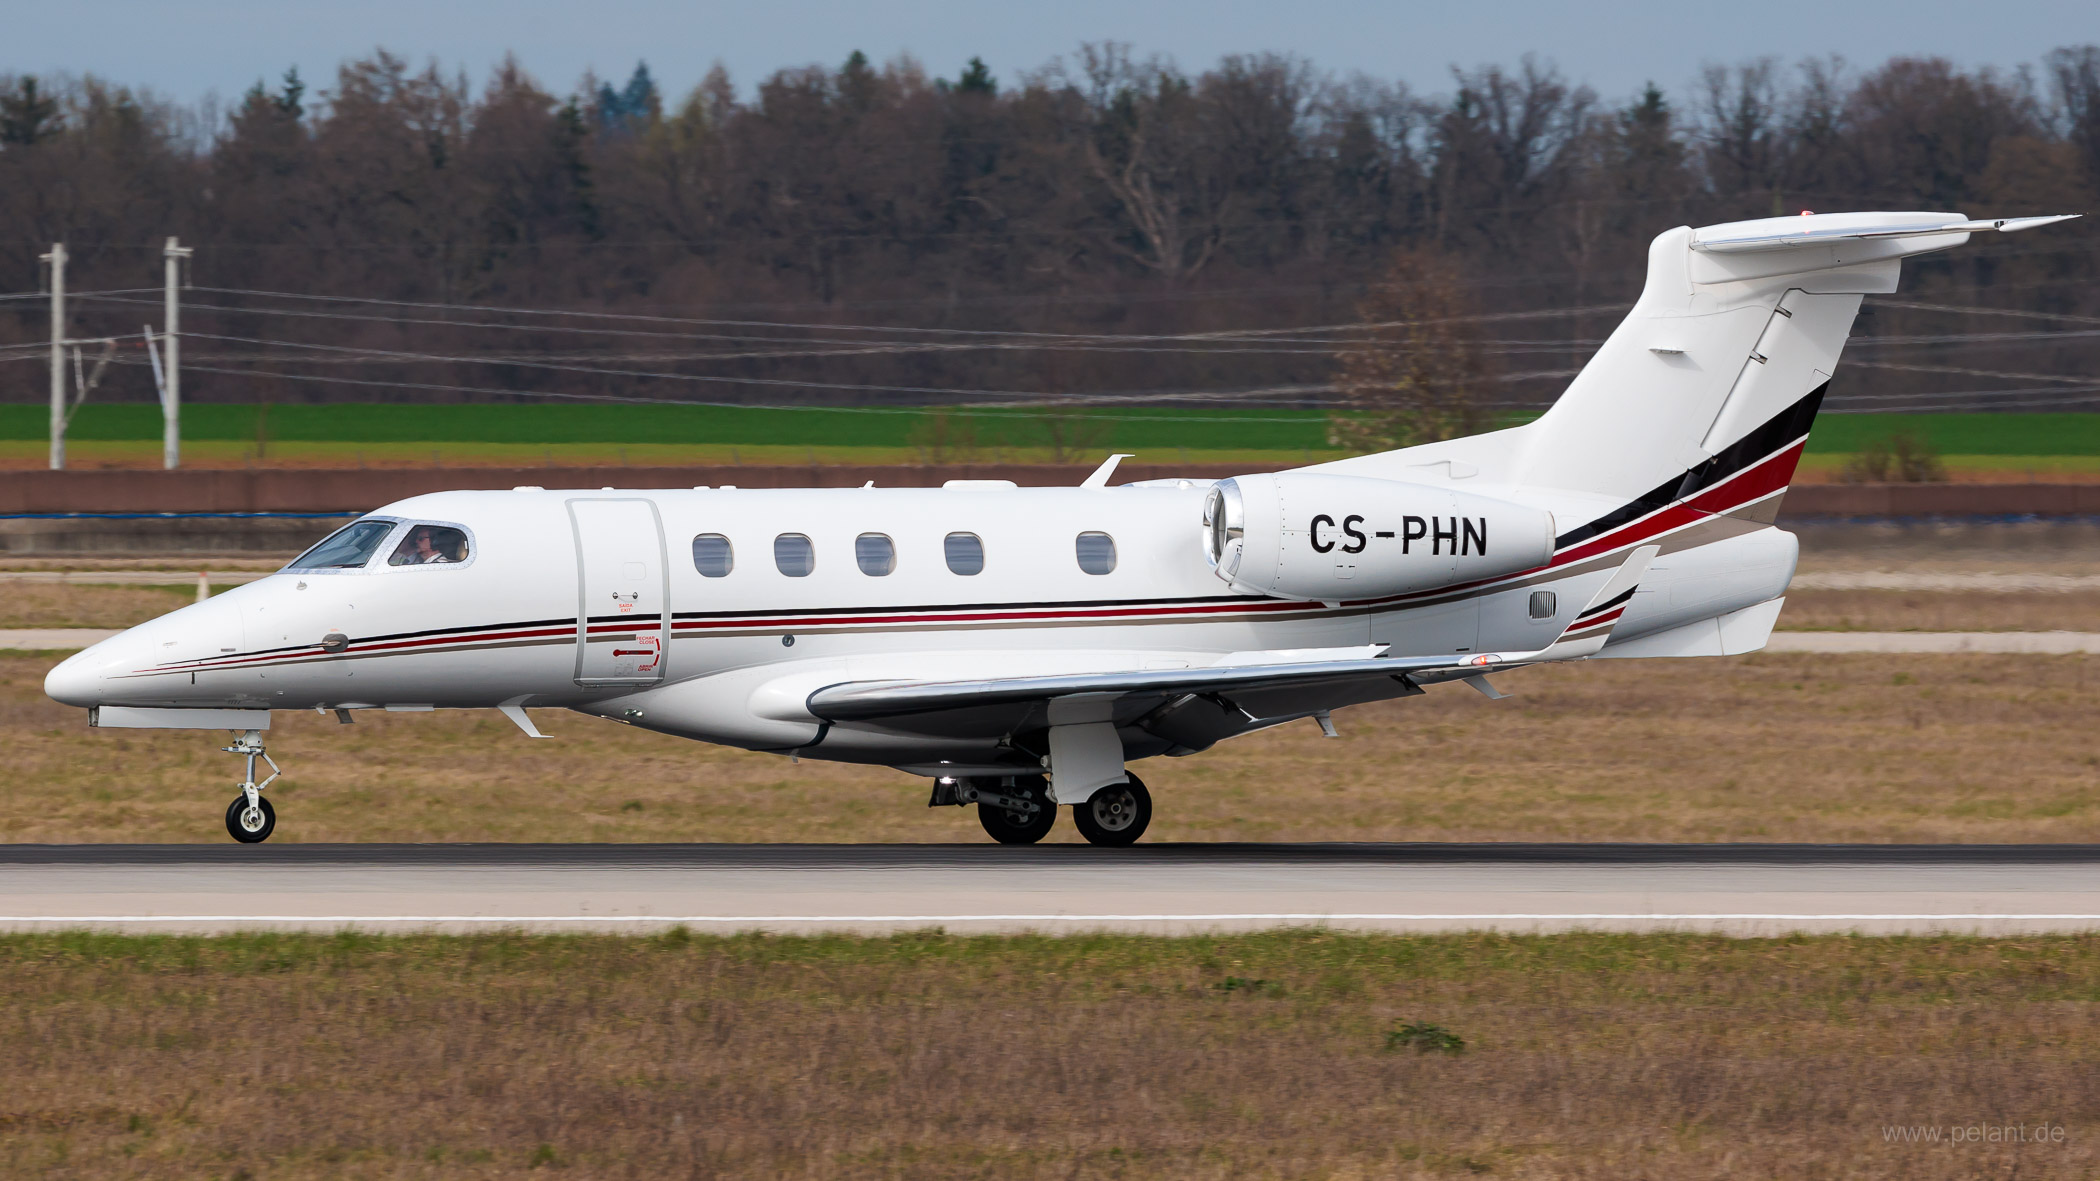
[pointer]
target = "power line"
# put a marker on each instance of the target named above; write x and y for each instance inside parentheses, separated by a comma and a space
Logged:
(846, 348)
(1223, 335)
(964, 411)
(1967, 372)
(1982, 338)
(1978, 310)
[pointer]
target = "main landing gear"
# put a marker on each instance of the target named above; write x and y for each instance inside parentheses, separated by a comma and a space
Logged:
(1017, 809)
(1014, 809)
(1115, 815)
(250, 818)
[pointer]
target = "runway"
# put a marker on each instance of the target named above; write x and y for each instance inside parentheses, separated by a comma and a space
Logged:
(1163, 889)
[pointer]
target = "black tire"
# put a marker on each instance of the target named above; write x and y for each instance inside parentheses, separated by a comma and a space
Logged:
(242, 833)
(1117, 815)
(1019, 828)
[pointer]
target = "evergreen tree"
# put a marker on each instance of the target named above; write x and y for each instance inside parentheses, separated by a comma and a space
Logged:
(977, 79)
(27, 116)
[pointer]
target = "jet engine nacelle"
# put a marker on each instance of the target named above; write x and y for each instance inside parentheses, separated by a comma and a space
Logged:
(1306, 535)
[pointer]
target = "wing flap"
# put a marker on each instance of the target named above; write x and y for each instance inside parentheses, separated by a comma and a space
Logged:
(857, 701)
(1259, 686)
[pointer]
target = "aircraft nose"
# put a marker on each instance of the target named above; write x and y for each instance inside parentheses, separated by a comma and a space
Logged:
(82, 678)
(77, 679)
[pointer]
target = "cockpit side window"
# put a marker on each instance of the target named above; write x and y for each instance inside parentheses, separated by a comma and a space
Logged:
(348, 548)
(430, 545)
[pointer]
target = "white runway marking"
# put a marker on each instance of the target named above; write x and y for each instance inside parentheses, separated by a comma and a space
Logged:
(1938, 643)
(183, 578)
(51, 639)
(1905, 581)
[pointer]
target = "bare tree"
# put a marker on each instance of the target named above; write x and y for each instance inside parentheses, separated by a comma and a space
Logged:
(1143, 140)
(1418, 372)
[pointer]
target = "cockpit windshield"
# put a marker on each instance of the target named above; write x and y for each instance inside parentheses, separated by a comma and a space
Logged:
(347, 548)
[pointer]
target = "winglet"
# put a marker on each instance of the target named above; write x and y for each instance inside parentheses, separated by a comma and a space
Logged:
(1101, 474)
(1592, 627)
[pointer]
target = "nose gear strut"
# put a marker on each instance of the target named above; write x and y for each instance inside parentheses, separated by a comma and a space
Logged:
(250, 818)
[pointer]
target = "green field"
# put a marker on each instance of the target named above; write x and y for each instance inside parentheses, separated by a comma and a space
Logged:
(755, 426)
(1149, 427)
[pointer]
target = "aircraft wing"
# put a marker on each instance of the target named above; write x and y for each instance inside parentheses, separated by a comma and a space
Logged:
(1194, 707)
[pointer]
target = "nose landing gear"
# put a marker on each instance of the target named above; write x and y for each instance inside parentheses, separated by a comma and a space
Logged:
(250, 818)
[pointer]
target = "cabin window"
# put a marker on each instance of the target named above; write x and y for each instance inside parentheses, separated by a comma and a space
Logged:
(794, 555)
(347, 548)
(713, 556)
(430, 545)
(1097, 553)
(875, 554)
(965, 553)
(1544, 604)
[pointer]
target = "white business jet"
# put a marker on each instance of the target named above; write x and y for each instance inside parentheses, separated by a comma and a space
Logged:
(1021, 646)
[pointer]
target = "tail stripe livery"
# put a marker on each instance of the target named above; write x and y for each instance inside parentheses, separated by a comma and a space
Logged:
(1778, 436)
(1603, 615)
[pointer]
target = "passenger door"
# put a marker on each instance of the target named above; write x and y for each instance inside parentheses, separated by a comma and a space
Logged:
(623, 622)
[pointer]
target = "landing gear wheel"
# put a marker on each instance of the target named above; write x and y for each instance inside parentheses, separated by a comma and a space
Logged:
(1116, 815)
(250, 826)
(1016, 827)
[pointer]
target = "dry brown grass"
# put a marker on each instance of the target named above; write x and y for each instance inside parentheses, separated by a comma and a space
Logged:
(926, 1056)
(1941, 611)
(41, 604)
(1769, 747)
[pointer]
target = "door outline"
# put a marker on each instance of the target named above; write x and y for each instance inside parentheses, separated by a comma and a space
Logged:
(658, 672)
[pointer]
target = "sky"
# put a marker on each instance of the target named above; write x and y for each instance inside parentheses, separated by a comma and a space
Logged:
(188, 50)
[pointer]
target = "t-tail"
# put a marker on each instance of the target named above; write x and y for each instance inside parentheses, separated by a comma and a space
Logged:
(1681, 433)
(1706, 392)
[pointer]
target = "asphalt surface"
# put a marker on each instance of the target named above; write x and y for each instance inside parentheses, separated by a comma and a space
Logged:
(1161, 888)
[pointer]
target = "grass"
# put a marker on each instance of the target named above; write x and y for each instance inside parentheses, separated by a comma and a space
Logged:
(1976, 446)
(35, 604)
(901, 428)
(1965, 434)
(933, 1056)
(1763, 748)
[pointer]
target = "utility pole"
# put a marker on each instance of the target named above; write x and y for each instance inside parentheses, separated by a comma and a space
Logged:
(57, 259)
(171, 406)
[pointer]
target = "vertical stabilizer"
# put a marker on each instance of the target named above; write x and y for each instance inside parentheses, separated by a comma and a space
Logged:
(1716, 374)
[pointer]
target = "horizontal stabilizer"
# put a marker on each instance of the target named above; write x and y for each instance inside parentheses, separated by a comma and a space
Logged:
(1787, 233)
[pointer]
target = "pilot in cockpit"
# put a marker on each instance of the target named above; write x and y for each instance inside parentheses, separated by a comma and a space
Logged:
(428, 545)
